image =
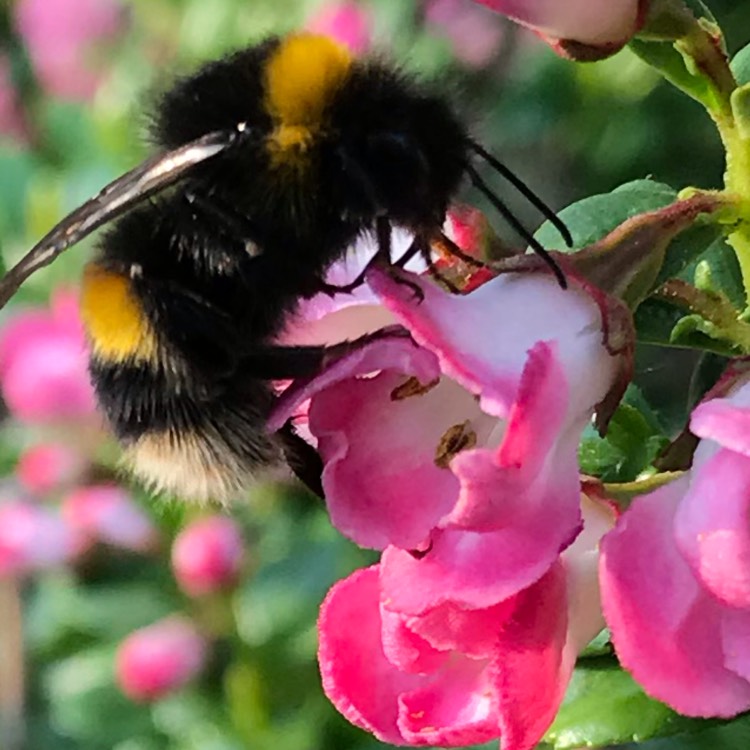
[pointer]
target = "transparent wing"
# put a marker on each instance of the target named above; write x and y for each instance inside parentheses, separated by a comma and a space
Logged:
(150, 177)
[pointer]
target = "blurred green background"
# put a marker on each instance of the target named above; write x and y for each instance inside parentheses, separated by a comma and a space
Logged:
(570, 131)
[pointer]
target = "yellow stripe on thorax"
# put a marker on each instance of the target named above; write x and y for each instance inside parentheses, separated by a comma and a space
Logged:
(116, 324)
(302, 75)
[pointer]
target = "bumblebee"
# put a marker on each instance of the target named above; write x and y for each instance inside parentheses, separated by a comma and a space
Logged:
(271, 162)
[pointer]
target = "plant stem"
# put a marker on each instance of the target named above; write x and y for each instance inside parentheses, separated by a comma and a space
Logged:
(12, 673)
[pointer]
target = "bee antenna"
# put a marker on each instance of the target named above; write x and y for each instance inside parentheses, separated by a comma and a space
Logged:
(508, 215)
(525, 190)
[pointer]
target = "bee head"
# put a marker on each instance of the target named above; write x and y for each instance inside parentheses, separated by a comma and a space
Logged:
(402, 153)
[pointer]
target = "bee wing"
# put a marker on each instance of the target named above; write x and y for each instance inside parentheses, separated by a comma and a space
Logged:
(150, 177)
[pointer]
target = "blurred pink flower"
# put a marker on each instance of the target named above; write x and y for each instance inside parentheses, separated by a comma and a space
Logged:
(675, 573)
(454, 675)
(475, 35)
(160, 659)
(46, 467)
(44, 365)
(207, 555)
(63, 38)
(11, 117)
(347, 22)
(33, 538)
(583, 29)
(108, 513)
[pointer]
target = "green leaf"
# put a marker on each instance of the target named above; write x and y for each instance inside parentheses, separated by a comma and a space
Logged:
(732, 735)
(633, 441)
(740, 65)
(671, 64)
(592, 218)
(605, 706)
(84, 703)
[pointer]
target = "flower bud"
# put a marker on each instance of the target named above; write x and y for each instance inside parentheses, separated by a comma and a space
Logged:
(61, 37)
(46, 467)
(581, 29)
(108, 513)
(159, 659)
(43, 365)
(33, 538)
(346, 22)
(207, 555)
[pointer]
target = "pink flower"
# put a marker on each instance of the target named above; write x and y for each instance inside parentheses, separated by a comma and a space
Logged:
(11, 117)
(159, 659)
(46, 467)
(443, 431)
(451, 443)
(33, 538)
(577, 28)
(207, 555)
(108, 513)
(347, 22)
(44, 366)
(455, 675)
(63, 38)
(475, 35)
(675, 573)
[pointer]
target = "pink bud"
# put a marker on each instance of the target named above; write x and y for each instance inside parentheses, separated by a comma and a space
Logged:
(33, 538)
(207, 555)
(46, 467)
(108, 513)
(44, 366)
(63, 37)
(346, 22)
(577, 28)
(159, 659)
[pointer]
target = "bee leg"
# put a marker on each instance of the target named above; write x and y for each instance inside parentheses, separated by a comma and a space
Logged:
(302, 459)
(382, 256)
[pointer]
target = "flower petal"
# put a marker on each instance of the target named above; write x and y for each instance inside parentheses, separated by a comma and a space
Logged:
(533, 665)
(357, 677)
(666, 630)
(458, 329)
(724, 422)
(712, 530)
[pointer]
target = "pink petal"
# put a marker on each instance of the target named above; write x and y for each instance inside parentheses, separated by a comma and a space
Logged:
(593, 22)
(381, 479)
(394, 351)
(516, 311)
(405, 649)
(712, 526)
(473, 632)
(457, 707)
(357, 677)
(533, 665)
(735, 638)
(666, 630)
(534, 473)
(724, 422)
(473, 569)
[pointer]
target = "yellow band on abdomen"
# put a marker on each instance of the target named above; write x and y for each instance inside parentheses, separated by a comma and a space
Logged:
(116, 324)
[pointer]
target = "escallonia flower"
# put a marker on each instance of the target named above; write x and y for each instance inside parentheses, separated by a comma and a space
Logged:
(455, 675)
(450, 442)
(580, 29)
(675, 572)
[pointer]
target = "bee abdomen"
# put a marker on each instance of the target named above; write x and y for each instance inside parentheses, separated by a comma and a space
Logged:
(183, 432)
